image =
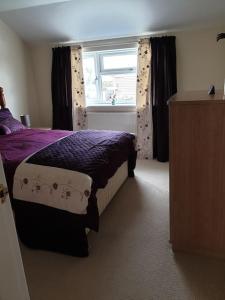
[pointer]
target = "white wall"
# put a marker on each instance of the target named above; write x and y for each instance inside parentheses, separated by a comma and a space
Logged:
(200, 62)
(16, 75)
(200, 59)
(123, 121)
(42, 63)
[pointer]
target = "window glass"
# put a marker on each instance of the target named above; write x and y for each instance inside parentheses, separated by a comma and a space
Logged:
(119, 89)
(110, 77)
(119, 61)
(90, 77)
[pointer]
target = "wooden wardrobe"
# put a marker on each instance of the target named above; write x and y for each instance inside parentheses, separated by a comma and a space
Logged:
(197, 173)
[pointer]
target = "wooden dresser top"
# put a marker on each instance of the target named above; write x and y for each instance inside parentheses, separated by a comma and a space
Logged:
(197, 97)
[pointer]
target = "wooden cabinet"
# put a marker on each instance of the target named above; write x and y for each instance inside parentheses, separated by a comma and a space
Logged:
(197, 173)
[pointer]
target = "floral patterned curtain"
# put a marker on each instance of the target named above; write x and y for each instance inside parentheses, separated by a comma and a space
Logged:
(144, 113)
(78, 94)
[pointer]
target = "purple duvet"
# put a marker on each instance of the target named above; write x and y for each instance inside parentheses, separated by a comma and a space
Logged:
(15, 147)
(93, 152)
(96, 153)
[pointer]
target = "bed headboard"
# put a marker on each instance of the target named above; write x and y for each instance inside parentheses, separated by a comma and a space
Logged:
(2, 98)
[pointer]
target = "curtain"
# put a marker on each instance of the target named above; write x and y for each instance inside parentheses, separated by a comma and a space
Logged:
(163, 86)
(144, 115)
(61, 88)
(78, 94)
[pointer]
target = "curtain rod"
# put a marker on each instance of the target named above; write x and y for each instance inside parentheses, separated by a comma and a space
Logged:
(96, 43)
(106, 41)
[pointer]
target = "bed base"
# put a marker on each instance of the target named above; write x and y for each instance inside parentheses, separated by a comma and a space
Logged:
(47, 228)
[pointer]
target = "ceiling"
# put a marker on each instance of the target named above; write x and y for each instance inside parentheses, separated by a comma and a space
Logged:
(83, 20)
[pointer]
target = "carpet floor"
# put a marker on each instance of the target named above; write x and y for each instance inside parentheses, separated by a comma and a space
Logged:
(130, 258)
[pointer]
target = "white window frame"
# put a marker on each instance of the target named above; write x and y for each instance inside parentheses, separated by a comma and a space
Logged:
(100, 70)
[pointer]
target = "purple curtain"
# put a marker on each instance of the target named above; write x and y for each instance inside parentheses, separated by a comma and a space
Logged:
(62, 89)
(163, 86)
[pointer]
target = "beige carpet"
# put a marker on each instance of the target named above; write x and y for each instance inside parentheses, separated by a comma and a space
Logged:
(130, 258)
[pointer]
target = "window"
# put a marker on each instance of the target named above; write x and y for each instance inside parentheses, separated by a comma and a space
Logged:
(110, 77)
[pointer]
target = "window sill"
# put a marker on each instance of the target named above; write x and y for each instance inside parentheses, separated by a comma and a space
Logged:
(113, 108)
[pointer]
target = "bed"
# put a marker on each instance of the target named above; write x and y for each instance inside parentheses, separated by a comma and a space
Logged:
(61, 181)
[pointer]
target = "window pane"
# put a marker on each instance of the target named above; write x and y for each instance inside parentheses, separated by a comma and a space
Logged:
(90, 78)
(119, 89)
(116, 84)
(119, 61)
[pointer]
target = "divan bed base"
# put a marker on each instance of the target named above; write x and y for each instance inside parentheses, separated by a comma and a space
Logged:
(47, 228)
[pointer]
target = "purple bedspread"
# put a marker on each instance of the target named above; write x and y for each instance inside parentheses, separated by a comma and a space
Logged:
(15, 147)
(97, 153)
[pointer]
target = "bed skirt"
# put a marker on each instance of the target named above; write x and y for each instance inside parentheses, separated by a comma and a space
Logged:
(47, 228)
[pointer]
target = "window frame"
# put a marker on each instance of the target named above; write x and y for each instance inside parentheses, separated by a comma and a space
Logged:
(100, 70)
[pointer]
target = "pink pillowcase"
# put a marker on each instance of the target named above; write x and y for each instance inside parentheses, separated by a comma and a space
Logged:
(7, 123)
(12, 124)
(4, 114)
(4, 130)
